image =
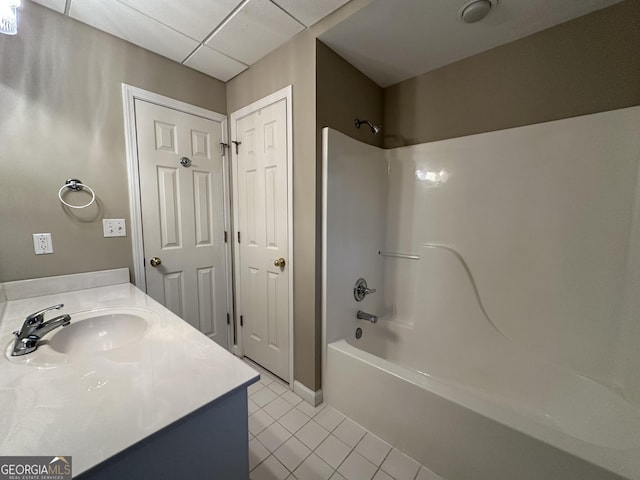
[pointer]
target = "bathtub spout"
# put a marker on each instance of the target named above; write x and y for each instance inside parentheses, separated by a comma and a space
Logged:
(366, 316)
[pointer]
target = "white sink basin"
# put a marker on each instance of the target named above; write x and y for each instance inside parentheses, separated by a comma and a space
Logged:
(91, 332)
(100, 332)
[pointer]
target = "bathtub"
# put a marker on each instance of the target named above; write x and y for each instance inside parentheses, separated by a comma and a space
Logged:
(463, 399)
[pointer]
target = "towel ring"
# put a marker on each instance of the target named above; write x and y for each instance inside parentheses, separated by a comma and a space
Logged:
(76, 185)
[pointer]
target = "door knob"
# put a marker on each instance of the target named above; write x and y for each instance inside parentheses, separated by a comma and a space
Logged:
(155, 262)
(280, 262)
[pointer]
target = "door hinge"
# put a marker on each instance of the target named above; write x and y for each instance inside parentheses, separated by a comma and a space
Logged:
(236, 144)
(241, 321)
(238, 237)
(225, 236)
(222, 148)
(228, 319)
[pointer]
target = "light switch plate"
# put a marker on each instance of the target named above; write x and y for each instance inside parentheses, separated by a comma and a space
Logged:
(114, 227)
(42, 243)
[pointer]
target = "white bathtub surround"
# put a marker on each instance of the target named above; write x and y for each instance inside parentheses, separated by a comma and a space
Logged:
(355, 197)
(324, 444)
(542, 214)
(3, 299)
(459, 435)
(513, 327)
(171, 388)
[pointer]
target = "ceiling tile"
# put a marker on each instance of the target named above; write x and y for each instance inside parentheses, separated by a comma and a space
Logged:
(195, 18)
(57, 5)
(117, 19)
(256, 29)
(310, 12)
(215, 64)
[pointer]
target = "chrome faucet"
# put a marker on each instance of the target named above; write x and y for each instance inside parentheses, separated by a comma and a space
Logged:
(366, 316)
(34, 328)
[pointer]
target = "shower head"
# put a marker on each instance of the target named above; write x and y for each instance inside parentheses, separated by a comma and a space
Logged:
(375, 129)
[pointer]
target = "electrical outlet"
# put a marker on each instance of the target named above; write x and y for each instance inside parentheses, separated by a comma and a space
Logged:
(114, 227)
(42, 243)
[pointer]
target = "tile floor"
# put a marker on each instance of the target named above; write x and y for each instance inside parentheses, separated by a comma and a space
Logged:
(289, 439)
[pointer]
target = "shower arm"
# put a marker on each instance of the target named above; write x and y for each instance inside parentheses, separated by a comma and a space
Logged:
(375, 129)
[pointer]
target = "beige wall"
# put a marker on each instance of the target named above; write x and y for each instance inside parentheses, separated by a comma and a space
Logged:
(587, 65)
(294, 64)
(60, 117)
(343, 93)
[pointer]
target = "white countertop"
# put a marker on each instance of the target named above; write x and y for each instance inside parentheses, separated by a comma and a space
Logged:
(92, 406)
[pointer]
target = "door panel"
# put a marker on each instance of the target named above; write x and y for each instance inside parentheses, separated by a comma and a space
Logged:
(183, 215)
(261, 174)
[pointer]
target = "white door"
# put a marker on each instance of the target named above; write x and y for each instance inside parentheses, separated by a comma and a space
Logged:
(182, 196)
(262, 222)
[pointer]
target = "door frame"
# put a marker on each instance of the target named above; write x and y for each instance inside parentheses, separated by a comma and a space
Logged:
(282, 94)
(129, 95)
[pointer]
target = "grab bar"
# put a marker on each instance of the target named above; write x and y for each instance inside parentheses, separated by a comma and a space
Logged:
(399, 255)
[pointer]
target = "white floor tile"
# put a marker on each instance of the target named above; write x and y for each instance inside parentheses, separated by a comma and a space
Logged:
(329, 418)
(259, 421)
(262, 397)
(288, 435)
(400, 466)
(356, 467)
(257, 453)
(308, 410)
(312, 434)
(313, 468)
(333, 451)
(270, 469)
(266, 379)
(373, 448)
(292, 453)
(380, 475)
(349, 432)
(254, 387)
(291, 397)
(274, 436)
(252, 407)
(277, 388)
(277, 408)
(426, 474)
(293, 420)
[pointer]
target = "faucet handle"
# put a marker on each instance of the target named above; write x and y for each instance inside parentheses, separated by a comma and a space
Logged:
(38, 317)
(361, 290)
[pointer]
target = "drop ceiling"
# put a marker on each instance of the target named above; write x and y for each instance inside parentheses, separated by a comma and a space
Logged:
(393, 40)
(218, 37)
(388, 40)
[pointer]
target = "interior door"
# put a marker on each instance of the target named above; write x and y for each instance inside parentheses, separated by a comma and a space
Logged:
(263, 270)
(182, 196)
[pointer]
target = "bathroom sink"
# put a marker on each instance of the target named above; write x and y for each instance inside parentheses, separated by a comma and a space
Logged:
(92, 332)
(98, 331)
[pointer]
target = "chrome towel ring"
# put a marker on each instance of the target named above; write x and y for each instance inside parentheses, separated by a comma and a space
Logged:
(76, 185)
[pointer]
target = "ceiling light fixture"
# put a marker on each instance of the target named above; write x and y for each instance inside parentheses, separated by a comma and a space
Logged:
(9, 16)
(476, 10)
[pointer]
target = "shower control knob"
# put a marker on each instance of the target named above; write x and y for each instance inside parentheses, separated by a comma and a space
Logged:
(361, 290)
(155, 262)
